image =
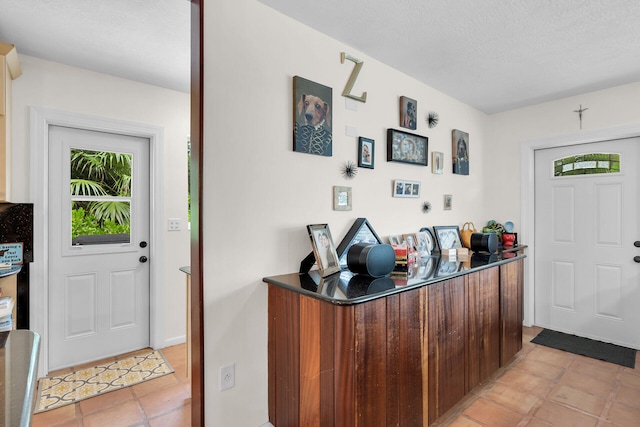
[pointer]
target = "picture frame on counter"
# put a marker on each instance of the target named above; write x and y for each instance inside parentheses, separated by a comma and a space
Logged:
(405, 147)
(324, 249)
(366, 151)
(404, 188)
(426, 241)
(360, 232)
(447, 236)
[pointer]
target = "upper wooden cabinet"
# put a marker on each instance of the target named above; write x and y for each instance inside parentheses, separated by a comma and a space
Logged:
(9, 71)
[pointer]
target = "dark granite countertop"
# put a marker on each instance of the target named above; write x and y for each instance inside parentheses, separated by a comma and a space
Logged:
(347, 288)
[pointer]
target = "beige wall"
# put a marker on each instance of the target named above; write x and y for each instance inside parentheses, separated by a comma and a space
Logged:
(259, 195)
(59, 87)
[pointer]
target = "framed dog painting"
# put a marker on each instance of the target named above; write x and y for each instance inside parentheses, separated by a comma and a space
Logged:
(312, 106)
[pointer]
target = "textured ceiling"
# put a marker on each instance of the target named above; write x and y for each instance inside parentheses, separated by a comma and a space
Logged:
(492, 54)
(495, 55)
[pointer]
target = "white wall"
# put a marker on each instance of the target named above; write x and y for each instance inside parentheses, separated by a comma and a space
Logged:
(259, 195)
(506, 131)
(59, 87)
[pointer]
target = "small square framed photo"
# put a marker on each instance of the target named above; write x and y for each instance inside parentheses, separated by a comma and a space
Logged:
(323, 249)
(408, 112)
(437, 162)
(365, 152)
(341, 198)
(402, 188)
(447, 202)
(395, 239)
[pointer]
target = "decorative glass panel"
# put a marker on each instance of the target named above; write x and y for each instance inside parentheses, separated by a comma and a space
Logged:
(587, 164)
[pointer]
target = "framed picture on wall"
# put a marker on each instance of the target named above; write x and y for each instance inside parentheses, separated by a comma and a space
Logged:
(408, 112)
(365, 152)
(460, 150)
(437, 162)
(407, 147)
(403, 188)
(312, 106)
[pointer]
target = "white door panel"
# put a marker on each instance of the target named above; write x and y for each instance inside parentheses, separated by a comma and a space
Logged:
(98, 292)
(586, 281)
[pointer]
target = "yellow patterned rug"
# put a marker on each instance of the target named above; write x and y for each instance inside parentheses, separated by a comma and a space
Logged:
(61, 390)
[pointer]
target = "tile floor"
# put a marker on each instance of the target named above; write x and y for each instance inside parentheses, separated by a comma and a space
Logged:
(161, 402)
(541, 387)
(545, 387)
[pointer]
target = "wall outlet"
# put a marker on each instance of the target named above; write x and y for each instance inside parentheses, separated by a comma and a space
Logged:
(227, 377)
(174, 224)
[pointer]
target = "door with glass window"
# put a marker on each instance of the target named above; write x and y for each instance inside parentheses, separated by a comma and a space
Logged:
(98, 245)
(587, 241)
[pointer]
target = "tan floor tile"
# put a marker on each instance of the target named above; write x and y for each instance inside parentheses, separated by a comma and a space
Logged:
(463, 421)
(539, 369)
(490, 413)
(526, 381)
(551, 356)
(630, 380)
(180, 417)
(578, 399)
(587, 384)
(105, 401)
(518, 401)
(623, 415)
(535, 422)
(125, 414)
(154, 385)
(628, 396)
(606, 372)
(55, 416)
(164, 400)
(561, 416)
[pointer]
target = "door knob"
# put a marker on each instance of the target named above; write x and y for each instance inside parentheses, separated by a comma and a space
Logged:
(636, 258)
(143, 244)
(145, 259)
(636, 243)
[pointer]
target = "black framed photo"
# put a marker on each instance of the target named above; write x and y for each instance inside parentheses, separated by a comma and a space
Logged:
(360, 232)
(323, 249)
(312, 106)
(365, 152)
(448, 236)
(407, 147)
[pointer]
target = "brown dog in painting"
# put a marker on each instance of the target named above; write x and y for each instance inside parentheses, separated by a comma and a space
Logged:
(314, 111)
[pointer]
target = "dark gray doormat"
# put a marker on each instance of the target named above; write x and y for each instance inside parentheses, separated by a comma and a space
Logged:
(587, 347)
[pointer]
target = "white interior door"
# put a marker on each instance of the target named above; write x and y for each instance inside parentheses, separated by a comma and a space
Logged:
(98, 284)
(587, 282)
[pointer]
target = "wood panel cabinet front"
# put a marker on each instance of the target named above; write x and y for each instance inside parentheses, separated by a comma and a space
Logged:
(446, 337)
(511, 309)
(483, 326)
(401, 360)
